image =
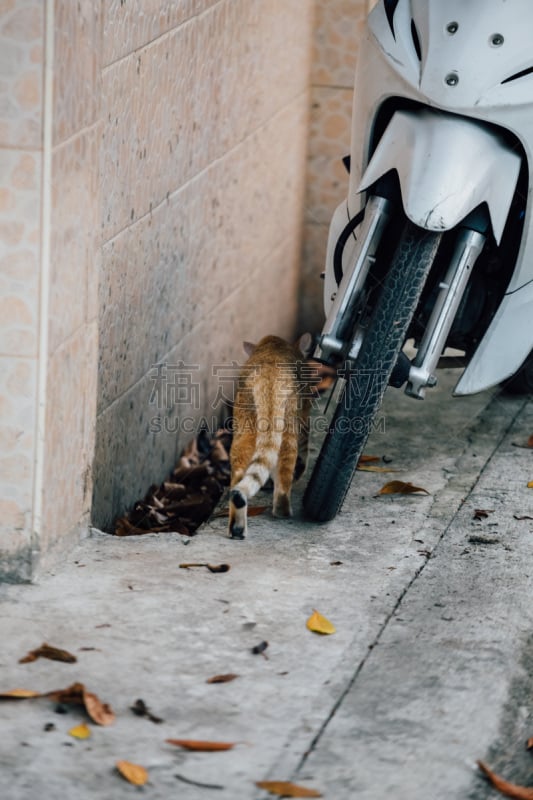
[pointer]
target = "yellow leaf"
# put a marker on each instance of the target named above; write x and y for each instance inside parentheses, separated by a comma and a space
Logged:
(320, 624)
(400, 487)
(132, 772)
(287, 789)
(80, 731)
(530, 485)
(19, 694)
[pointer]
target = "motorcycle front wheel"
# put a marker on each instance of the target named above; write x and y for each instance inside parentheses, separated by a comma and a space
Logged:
(367, 377)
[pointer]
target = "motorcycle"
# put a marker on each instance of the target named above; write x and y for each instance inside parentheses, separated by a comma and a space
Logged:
(434, 243)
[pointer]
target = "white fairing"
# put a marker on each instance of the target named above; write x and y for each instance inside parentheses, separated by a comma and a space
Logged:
(447, 166)
(489, 55)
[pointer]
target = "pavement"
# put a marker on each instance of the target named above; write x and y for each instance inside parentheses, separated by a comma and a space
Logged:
(430, 668)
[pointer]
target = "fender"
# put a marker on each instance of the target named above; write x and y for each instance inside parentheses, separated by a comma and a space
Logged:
(447, 166)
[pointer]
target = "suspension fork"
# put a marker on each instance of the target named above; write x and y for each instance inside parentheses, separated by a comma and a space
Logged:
(338, 330)
(422, 372)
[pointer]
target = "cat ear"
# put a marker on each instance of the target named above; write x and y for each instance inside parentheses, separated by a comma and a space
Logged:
(248, 348)
(305, 344)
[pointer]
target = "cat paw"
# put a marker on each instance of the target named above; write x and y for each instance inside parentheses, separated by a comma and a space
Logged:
(282, 507)
(237, 532)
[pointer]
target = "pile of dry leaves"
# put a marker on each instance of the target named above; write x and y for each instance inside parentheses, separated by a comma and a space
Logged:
(188, 497)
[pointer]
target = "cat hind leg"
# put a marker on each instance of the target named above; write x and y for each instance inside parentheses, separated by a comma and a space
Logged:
(238, 506)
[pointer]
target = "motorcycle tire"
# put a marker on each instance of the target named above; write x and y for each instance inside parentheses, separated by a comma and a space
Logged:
(387, 329)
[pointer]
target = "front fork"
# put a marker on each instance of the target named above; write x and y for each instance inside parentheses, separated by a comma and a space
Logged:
(341, 337)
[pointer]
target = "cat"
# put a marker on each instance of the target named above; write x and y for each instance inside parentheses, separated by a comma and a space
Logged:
(270, 425)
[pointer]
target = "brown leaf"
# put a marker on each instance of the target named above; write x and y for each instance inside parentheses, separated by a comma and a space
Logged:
(400, 487)
(529, 744)
(133, 773)
(76, 694)
(48, 651)
(287, 789)
(506, 788)
(200, 745)
(230, 676)
(99, 712)
(530, 441)
(364, 459)
(482, 513)
(373, 468)
(210, 567)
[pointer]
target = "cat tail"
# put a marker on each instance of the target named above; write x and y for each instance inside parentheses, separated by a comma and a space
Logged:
(270, 424)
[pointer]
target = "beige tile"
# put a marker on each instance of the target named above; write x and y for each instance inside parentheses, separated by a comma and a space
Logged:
(20, 176)
(77, 53)
(182, 103)
(74, 226)
(21, 73)
(132, 25)
(338, 27)
(165, 274)
(68, 444)
(329, 141)
(18, 378)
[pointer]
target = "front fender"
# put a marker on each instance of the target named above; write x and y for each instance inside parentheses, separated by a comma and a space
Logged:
(447, 166)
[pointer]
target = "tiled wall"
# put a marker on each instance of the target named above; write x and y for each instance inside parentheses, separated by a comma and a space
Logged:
(205, 114)
(21, 71)
(337, 31)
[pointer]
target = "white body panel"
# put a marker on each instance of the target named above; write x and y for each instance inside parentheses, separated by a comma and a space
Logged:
(447, 166)
(389, 67)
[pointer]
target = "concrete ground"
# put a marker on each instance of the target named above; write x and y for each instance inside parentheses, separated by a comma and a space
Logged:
(431, 667)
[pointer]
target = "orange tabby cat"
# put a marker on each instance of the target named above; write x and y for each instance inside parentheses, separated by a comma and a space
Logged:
(271, 426)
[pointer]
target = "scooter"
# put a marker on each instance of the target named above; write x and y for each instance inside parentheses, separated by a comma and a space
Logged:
(434, 243)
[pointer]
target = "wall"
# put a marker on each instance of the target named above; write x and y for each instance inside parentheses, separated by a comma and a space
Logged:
(21, 163)
(205, 112)
(337, 30)
(152, 170)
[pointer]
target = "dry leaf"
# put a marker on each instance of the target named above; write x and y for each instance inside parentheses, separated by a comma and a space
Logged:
(99, 712)
(253, 511)
(210, 567)
(372, 468)
(530, 441)
(506, 788)
(522, 516)
(80, 731)
(320, 624)
(230, 676)
(200, 745)
(190, 782)
(19, 694)
(132, 772)
(287, 789)
(400, 487)
(364, 459)
(48, 651)
(530, 485)
(529, 744)
(141, 710)
(482, 513)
